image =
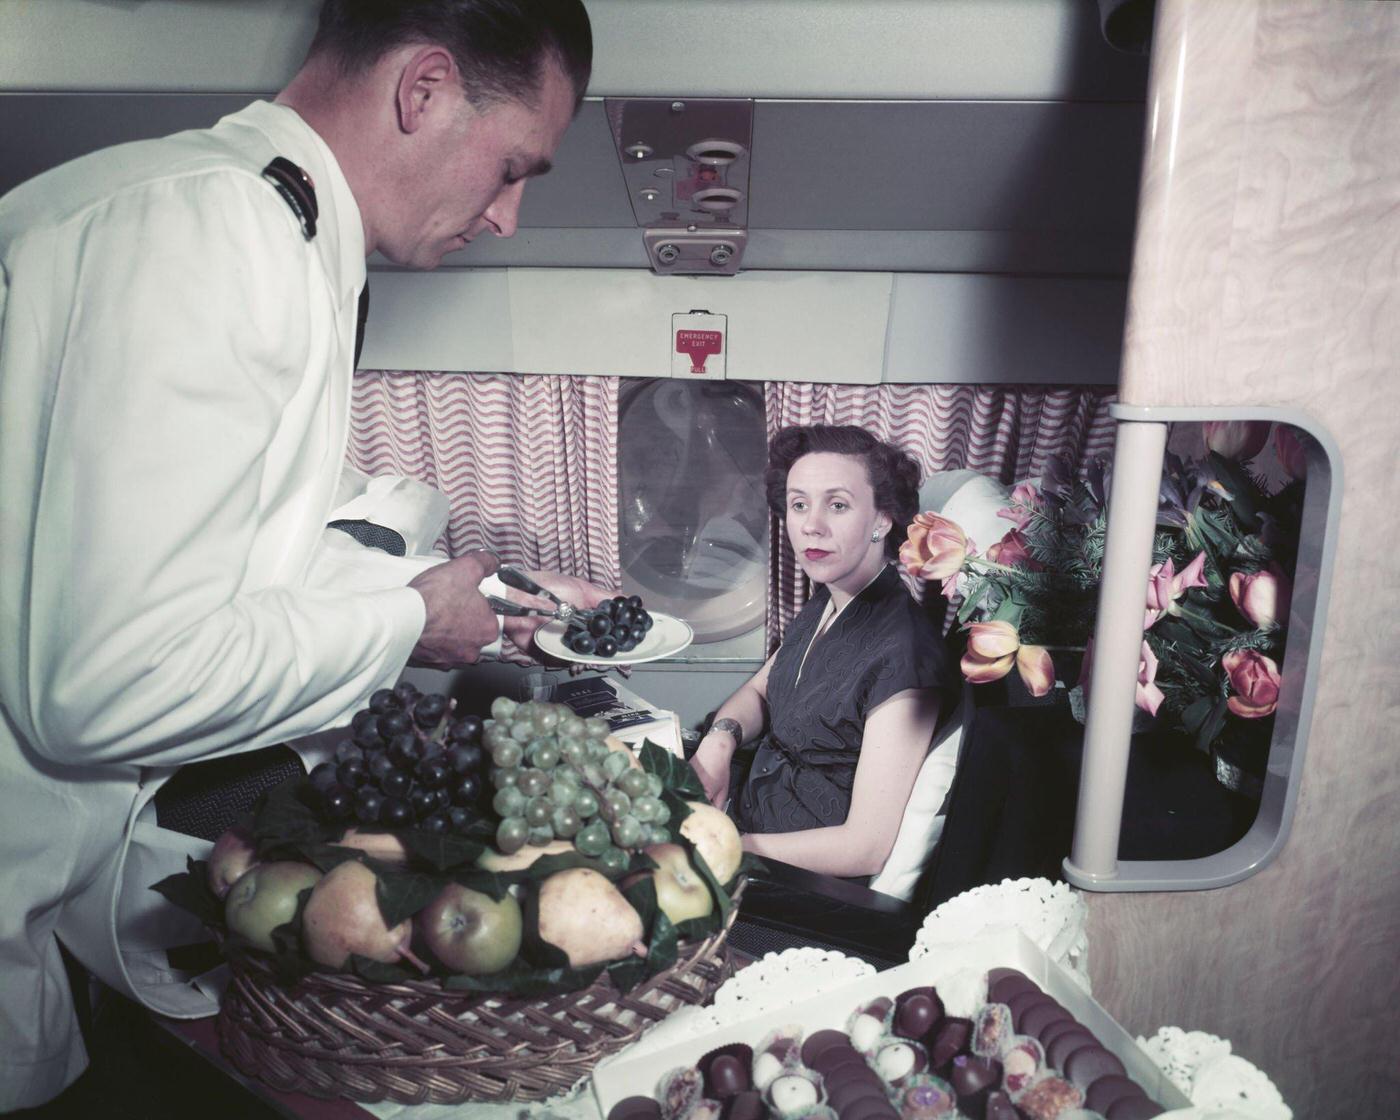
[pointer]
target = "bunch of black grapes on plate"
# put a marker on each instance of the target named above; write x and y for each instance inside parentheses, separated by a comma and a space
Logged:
(613, 627)
(408, 763)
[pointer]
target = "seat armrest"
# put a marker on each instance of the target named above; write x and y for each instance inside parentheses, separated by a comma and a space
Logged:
(801, 907)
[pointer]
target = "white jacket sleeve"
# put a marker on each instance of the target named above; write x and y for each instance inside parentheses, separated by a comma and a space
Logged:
(165, 625)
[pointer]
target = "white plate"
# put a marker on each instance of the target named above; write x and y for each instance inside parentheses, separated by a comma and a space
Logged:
(666, 638)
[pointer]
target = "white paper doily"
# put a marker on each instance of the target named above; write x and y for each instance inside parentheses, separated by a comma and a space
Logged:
(1220, 1084)
(1050, 914)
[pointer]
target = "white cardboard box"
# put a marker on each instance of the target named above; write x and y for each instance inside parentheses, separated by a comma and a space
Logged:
(1009, 948)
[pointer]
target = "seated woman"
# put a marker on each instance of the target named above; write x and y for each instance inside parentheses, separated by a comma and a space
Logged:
(853, 693)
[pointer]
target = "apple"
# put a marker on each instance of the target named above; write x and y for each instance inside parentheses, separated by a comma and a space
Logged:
(680, 891)
(231, 858)
(471, 932)
(265, 897)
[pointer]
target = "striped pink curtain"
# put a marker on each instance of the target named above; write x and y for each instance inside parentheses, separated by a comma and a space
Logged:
(528, 463)
(1007, 432)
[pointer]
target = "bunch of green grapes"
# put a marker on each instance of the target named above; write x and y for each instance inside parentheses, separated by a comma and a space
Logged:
(555, 778)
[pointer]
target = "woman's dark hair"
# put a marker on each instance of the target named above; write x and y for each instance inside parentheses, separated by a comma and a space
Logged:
(894, 475)
(500, 46)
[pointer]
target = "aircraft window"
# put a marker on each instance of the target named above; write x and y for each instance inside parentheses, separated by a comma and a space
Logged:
(693, 523)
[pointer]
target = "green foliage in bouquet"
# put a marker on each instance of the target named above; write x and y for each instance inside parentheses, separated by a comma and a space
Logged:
(1216, 603)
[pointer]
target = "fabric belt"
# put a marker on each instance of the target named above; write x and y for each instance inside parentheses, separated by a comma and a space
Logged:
(204, 799)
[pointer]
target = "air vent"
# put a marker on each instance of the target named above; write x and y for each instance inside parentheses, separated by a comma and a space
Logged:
(686, 168)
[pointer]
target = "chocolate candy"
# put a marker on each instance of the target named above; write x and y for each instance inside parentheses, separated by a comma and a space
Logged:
(838, 1063)
(793, 1091)
(726, 1075)
(950, 1037)
(1106, 1091)
(898, 1060)
(999, 1107)
(1054, 1030)
(915, 1013)
(1036, 1019)
(1003, 983)
(926, 1098)
(869, 1109)
(819, 1042)
(747, 1105)
(1049, 1097)
(1058, 1052)
(678, 1091)
(866, 1025)
(1086, 1066)
(972, 1079)
(1020, 1063)
(1134, 1108)
(849, 1092)
(1023, 1002)
(994, 1030)
(635, 1108)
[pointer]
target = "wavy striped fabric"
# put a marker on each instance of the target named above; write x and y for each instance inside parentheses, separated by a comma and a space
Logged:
(1008, 432)
(528, 462)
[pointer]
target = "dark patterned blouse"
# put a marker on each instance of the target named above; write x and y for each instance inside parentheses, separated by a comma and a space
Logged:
(803, 770)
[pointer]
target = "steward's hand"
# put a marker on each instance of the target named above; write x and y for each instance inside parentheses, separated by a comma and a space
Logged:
(459, 620)
(571, 589)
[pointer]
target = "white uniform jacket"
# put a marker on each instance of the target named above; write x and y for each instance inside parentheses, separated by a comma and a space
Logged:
(175, 364)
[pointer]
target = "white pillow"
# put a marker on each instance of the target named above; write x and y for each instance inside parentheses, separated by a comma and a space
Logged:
(973, 506)
(922, 824)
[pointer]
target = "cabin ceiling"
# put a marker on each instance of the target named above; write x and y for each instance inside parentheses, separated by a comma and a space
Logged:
(999, 136)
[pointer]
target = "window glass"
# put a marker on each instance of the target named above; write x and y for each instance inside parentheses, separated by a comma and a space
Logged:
(693, 532)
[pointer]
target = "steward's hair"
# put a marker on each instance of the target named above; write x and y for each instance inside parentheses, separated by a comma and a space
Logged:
(500, 46)
(894, 474)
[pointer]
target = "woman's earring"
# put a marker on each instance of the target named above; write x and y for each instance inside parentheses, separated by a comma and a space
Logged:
(875, 536)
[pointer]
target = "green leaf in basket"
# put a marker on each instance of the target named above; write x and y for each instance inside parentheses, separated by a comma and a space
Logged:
(284, 814)
(521, 980)
(190, 891)
(697, 929)
(675, 774)
(442, 851)
(494, 884)
(627, 974)
(642, 894)
(401, 894)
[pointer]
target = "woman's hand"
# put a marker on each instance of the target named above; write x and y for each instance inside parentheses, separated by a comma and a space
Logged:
(711, 765)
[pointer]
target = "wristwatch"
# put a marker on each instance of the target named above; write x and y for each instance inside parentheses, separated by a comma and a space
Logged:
(733, 726)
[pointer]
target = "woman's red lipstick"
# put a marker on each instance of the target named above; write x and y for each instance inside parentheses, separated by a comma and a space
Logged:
(815, 554)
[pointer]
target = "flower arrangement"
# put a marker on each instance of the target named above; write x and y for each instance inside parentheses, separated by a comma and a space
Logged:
(1215, 608)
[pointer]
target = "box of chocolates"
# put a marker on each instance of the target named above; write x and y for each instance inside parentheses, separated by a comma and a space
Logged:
(990, 1030)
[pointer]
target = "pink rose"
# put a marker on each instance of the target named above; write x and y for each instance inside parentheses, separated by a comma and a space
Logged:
(993, 647)
(1025, 500)
(1165, 586)
(1289, 449)
(1255, 679)
(935, 548)
(1011, 551)
(1236, 439)
(1148, 696)
(1262, 597)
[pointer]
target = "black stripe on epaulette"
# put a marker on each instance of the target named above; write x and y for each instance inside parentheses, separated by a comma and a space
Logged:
(297, 190)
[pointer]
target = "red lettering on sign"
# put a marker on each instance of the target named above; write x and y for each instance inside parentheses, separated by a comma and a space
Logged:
(698, 345)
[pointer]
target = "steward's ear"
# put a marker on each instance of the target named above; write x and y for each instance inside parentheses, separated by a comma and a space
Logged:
(427, 77)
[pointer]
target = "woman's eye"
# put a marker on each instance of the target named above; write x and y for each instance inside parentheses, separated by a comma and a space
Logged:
(838, 506)
(797, 507)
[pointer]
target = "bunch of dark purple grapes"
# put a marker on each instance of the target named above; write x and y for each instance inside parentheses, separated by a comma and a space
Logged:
(611, 628)
(407, 764)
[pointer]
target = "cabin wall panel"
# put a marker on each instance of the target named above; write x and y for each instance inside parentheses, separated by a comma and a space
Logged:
(1267, 272)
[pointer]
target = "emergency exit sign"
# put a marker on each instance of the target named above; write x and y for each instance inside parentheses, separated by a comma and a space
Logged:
(698, 345)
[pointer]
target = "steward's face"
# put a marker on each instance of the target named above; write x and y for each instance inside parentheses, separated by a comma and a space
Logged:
(475, 165)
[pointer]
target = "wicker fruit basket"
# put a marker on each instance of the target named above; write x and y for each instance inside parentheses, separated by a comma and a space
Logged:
(333, 1035)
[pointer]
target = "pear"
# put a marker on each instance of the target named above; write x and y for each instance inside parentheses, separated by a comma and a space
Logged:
(587, 917)
(342, 916)
(616, 745)
(492, 860)
(383, 846)
(715, 837)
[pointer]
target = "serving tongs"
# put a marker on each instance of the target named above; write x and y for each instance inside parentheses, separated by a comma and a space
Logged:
(513, 577)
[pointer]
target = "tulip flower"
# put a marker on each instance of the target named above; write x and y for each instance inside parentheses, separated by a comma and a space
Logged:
(1012, 552)
(1147, 696)
(1025, 500)
(1255, 679)
(1289, 450)
(935, 548)
(1236, 439)
(1165, 586)
(1262, 597)
(993, 647)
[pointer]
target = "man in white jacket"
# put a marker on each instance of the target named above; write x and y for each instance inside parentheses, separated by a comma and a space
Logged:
(177, 325)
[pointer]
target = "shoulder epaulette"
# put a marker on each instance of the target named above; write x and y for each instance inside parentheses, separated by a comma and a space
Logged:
(297, 191)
